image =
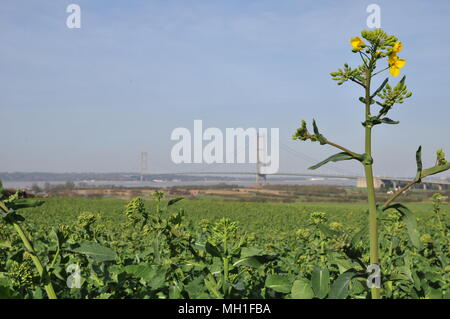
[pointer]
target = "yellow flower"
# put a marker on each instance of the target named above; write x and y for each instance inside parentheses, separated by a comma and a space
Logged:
(398, 46)
(379, 54)
(395, 64)
(357, 43)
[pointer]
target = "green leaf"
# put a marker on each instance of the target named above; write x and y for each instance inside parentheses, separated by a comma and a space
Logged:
(401, 83)
(37, 293)
(249, 262)
(301, 289)
(419, 163)
(435, 170)
(253, 257)
(5, 244)
(410, 222)
(6, 293)
(339, 288)
(145, 272)
(379, 88)
(250, 252)
(195, 288)
(59, 237)
(433, 293)
(24, 203)
(278, 283)
(387, 120)
(327, 230)
(175, 292)
(212, 250)
(213, 287)
(322, 140)
(9, 214)
(254, 261)
(343, 156)
(320, 280)
(343, 264)
(416, 280)
(96, 251)
(159, 279)
(359, 235)
(174, 200)
(153, 275)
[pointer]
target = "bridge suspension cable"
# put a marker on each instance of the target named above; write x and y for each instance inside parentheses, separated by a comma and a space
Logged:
(310, 159)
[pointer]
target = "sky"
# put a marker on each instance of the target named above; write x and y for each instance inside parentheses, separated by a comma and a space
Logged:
(92, 99)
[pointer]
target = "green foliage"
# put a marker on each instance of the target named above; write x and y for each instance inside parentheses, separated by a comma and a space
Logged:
(320, 281)
(410, 222)
(347, 73)
(301, 289)
(264, 251)
(392, 95)
(343, 156)
(95, 251)
(440, 166)
(135, 211)
(339, 288)
(302, 134)
(440, 158)
(278, 283)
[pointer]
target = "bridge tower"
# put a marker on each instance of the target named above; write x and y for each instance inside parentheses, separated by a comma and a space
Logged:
(260, 152)
(144, 164)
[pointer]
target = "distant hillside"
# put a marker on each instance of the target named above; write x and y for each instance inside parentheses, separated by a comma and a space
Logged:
(79, 177)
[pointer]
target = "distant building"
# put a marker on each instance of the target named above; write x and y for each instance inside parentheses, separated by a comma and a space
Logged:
(194, 192)
(361, 182)
(388, 183)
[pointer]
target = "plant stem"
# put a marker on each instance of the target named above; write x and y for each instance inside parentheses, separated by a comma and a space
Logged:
(41, 270)
(362, 58)
(225, 275)
(55, 258)
(399, 192)
(37, 262)
(225, 266)
(380, 71)
(373, 225)
(342, 148)
(356, 81)
(424, 173)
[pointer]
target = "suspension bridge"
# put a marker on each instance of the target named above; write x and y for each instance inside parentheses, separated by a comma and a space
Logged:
(262, 179)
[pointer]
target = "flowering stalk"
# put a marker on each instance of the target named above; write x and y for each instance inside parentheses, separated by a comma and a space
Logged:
(373, 223)
(380, 46)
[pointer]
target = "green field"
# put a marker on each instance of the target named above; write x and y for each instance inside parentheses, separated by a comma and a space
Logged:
(266, 220)
(223, 249)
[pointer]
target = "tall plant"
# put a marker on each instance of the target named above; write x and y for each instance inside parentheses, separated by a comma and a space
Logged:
(375, 50)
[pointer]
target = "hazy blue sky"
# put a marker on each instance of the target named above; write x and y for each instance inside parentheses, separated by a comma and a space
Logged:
(92, 99)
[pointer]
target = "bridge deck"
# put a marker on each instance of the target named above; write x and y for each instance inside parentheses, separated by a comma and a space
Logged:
(382, 178)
